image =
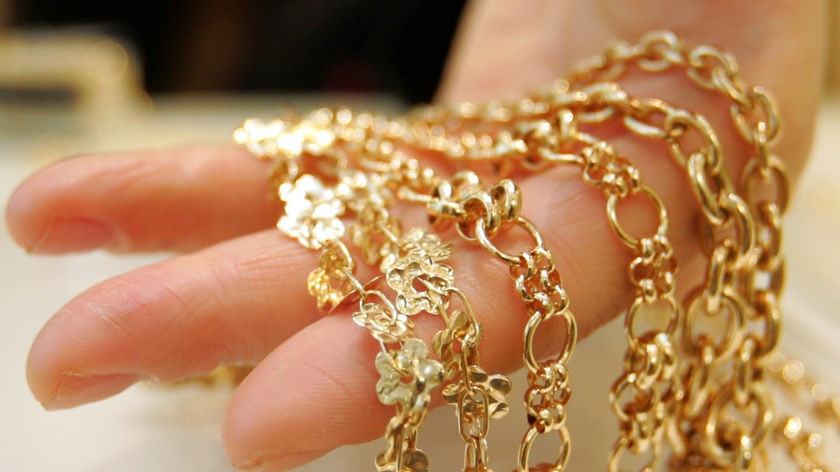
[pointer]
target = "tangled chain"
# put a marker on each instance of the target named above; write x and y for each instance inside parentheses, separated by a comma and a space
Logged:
(692, 394)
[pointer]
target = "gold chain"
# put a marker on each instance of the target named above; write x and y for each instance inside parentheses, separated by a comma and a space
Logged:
(728, 406)
(790, 430)
(693, 391)
(537, 281)
(412, 267)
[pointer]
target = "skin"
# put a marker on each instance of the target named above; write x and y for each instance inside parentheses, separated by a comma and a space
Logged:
(235, 292)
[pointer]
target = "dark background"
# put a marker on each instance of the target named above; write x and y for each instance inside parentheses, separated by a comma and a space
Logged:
(393, 46)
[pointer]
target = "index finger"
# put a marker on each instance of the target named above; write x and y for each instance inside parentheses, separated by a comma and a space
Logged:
(174, 200)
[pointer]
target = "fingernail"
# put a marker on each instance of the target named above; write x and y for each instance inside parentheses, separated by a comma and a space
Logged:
(75, 389)
(74, 234)
(251, 466)
(269, 462)
(248, 467)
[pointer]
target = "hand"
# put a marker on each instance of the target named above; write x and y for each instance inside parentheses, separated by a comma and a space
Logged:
(237, 293)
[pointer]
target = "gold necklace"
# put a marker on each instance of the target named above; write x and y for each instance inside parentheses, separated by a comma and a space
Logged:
(693, 394)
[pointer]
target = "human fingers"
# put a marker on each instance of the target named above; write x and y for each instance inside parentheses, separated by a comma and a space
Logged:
(174, 200)
(228, 304)
(312, 394)
(316, 391)
(255, 439)
(609, 279)
(234, 302)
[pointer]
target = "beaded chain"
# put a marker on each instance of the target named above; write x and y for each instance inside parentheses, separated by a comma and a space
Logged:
(694, 391)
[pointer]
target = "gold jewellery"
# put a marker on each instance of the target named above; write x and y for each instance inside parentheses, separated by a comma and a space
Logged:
(695, 388)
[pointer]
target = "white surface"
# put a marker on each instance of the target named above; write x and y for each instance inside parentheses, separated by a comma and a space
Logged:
(151, 429)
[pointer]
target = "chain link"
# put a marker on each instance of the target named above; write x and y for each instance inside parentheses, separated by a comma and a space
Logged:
(539, 286)
(748, 276)
(693, 393)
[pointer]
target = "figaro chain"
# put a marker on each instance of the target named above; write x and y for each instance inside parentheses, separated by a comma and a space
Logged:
(692, 393)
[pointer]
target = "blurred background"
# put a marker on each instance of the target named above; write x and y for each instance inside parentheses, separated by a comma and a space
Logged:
(262, 45)
(98, 75)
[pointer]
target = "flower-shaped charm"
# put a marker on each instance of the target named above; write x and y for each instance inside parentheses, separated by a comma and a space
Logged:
(330, 283)
(287, 138)
(419, 240)
(260, 137)
(383, 321)
(313, 212)
(420, 280)
(407, 376)
(420, 283)
(359, 190)
(374, 233)
(496, 387)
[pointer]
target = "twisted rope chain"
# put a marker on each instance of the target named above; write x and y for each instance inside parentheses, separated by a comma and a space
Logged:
(692, 391)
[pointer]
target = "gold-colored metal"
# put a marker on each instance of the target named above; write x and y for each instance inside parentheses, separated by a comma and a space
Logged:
(692, 394)
(355, 154)
(733, 412)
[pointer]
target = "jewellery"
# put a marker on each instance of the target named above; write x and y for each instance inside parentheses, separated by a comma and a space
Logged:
(693, 394)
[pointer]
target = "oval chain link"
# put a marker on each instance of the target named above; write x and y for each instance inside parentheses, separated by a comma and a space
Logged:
(732, 443)
(693, 377)
(539, 285)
